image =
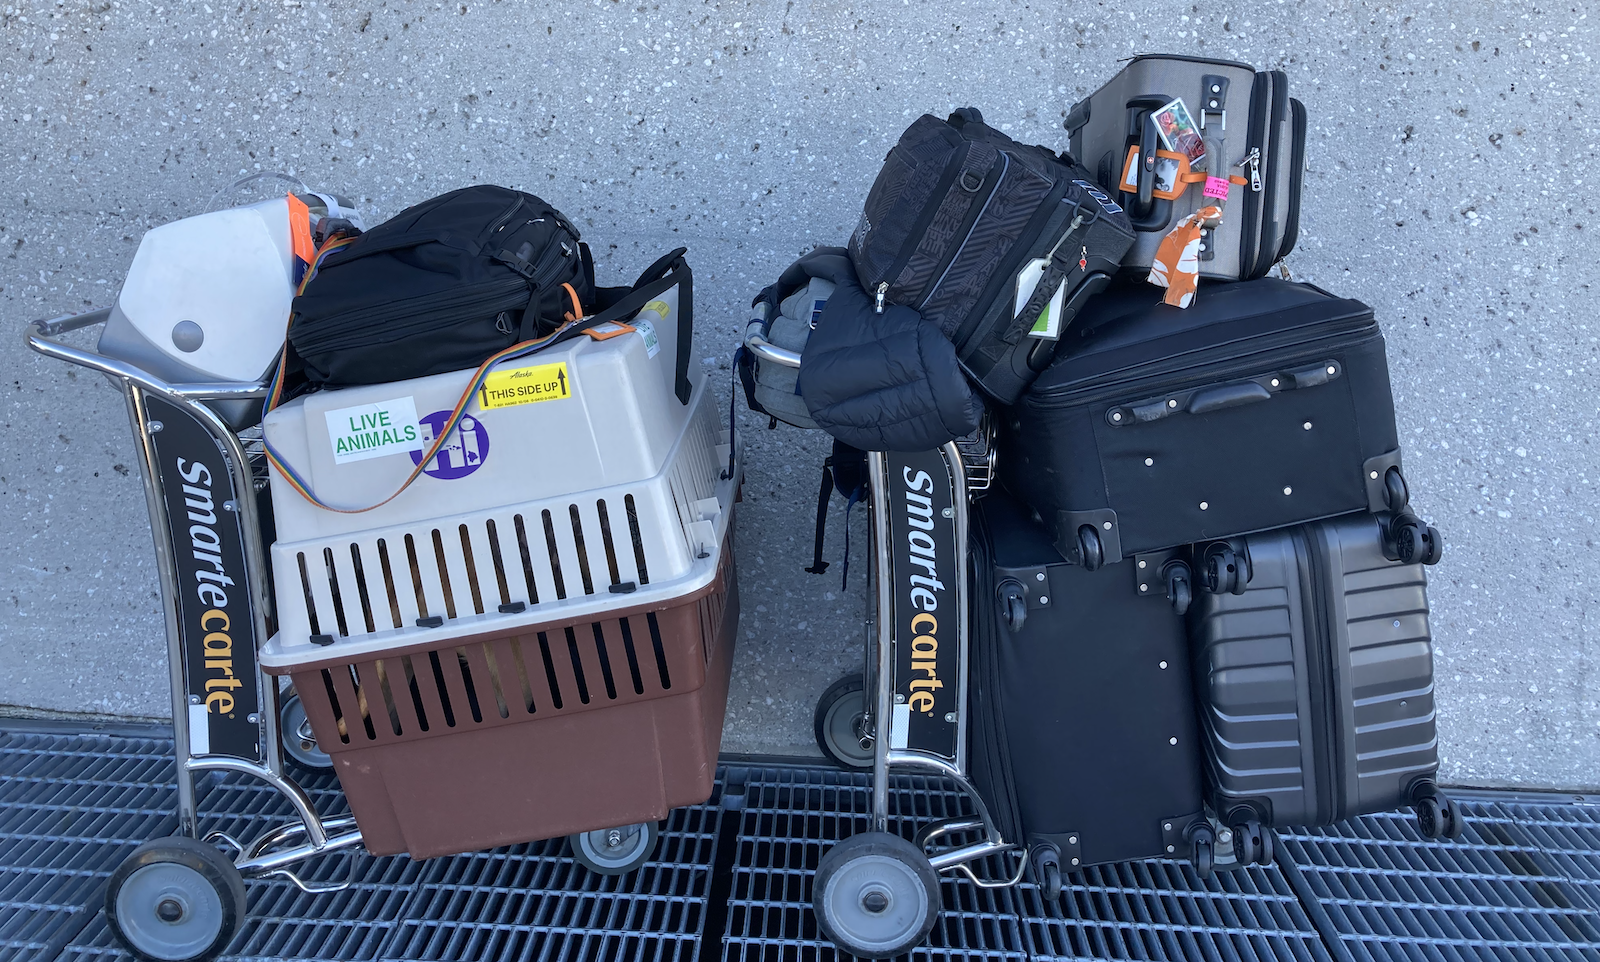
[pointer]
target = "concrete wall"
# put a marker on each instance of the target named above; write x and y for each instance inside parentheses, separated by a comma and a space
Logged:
(1449, 147)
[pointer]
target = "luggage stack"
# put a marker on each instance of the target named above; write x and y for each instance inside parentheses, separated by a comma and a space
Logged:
(1209, 611)
(1198, 592)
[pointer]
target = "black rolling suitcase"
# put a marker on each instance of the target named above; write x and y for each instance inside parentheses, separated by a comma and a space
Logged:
(957, 213)
(1259, 130)
(1084, 735)
(1314, 674)
(1264, 404)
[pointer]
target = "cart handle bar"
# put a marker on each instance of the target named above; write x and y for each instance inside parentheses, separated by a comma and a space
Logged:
(41, 337)
(755, 340)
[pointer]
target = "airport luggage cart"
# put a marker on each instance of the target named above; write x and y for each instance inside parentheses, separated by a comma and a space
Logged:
(876, 894)
(181, 898)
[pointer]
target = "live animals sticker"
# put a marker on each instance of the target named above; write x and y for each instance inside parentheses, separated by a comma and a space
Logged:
(374, 430)
(525, 385)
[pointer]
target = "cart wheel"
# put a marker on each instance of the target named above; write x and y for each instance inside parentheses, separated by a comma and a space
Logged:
(175, 900)
(1430, 816)
(876, 895)
(615, 851)
(840, 723)
(299, 741)
(1395, 492)
(1089, 551)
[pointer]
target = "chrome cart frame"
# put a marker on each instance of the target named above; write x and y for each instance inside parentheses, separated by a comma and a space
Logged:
(918, 519)
(206, 736)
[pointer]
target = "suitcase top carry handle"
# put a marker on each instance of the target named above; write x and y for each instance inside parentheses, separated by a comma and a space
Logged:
(1220, 397)
(1148, 213)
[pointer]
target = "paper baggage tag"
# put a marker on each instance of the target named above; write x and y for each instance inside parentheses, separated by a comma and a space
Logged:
(1048, 326)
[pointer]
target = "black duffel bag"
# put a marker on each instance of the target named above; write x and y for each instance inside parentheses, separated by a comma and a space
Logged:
(440, 287)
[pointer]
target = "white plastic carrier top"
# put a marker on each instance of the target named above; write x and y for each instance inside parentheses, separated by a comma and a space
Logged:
(577, 482)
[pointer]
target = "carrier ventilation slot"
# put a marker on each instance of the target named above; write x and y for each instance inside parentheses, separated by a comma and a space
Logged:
(467, 686)
(485, 567)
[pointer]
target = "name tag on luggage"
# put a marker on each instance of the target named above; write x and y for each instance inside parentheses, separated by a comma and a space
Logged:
(1048, 326)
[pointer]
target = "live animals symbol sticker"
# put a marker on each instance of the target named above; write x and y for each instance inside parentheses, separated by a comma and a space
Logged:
(525, 385)
(374, 430)
(463, 453)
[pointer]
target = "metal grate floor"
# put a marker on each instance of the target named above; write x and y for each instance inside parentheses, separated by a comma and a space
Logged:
(731, 879)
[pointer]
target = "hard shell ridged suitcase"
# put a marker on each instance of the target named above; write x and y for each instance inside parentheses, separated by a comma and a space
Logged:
(1264, 404)
(957, 212)
(1316, 681)
(1085, 740)
(1246, 111)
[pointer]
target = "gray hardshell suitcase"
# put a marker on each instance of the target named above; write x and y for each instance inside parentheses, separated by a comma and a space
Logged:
(1262, 132)
(1314, 671)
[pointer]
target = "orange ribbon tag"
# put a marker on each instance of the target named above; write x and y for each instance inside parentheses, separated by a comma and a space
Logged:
(1177, 262)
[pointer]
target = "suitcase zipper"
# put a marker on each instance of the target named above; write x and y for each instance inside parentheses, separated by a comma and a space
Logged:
(972, 225)
(1269, 196)
(1327, 744)
(1297, 176)
(1233, 364)
(1250, 230)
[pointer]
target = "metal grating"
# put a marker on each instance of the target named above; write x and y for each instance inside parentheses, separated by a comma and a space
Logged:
(71, 808)
(535, 902)
(1521, 883)
(791, 815)
(1161, 910)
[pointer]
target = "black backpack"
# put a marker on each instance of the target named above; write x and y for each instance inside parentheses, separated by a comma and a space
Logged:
(440, 287)
(956, 214)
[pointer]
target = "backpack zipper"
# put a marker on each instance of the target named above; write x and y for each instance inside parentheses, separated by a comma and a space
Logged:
(883, 292)
(354, 327)
(947, 180)
(1005, 168)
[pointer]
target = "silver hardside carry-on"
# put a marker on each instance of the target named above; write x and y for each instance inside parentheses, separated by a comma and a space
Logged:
(1262, 134)
(1315, 673)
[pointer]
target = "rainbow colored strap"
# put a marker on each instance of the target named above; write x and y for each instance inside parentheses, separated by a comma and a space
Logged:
(293, 477)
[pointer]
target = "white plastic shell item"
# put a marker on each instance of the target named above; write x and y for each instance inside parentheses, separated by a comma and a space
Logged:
(207, 297)
(610, 492)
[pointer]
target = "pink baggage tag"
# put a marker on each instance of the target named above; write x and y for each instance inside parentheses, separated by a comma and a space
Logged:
(1217, 187)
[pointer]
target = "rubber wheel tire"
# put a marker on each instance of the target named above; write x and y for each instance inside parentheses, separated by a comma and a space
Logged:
(634, 848)
(875, 895)
(1268, 848)
(1430, 816)
(1396, 493)
(1202, 854)
(300, 743)
(1433, 546)
(1050, 881)
(1245, 849)
(1181, 596)
(175, 900)
(1242, 572)
(1089, 550)
(1222, 570)
(836, 723)
(1410, 543)
(1453, 823)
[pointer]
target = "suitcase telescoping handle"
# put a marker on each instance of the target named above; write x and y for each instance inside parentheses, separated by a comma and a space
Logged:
(1149, 213)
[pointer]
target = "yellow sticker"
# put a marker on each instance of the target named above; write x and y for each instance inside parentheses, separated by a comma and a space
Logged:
(525, 385)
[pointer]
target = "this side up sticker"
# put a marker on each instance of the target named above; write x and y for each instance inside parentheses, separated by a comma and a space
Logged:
(525, 385)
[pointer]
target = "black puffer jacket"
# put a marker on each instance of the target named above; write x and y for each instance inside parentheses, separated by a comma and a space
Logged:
(881, 382)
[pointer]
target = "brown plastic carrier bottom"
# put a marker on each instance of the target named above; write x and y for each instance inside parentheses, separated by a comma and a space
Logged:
(511, 736)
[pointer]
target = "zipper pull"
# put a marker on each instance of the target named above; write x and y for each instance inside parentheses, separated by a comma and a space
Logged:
(1253, 161)
(1083, 259)
(883, 292)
